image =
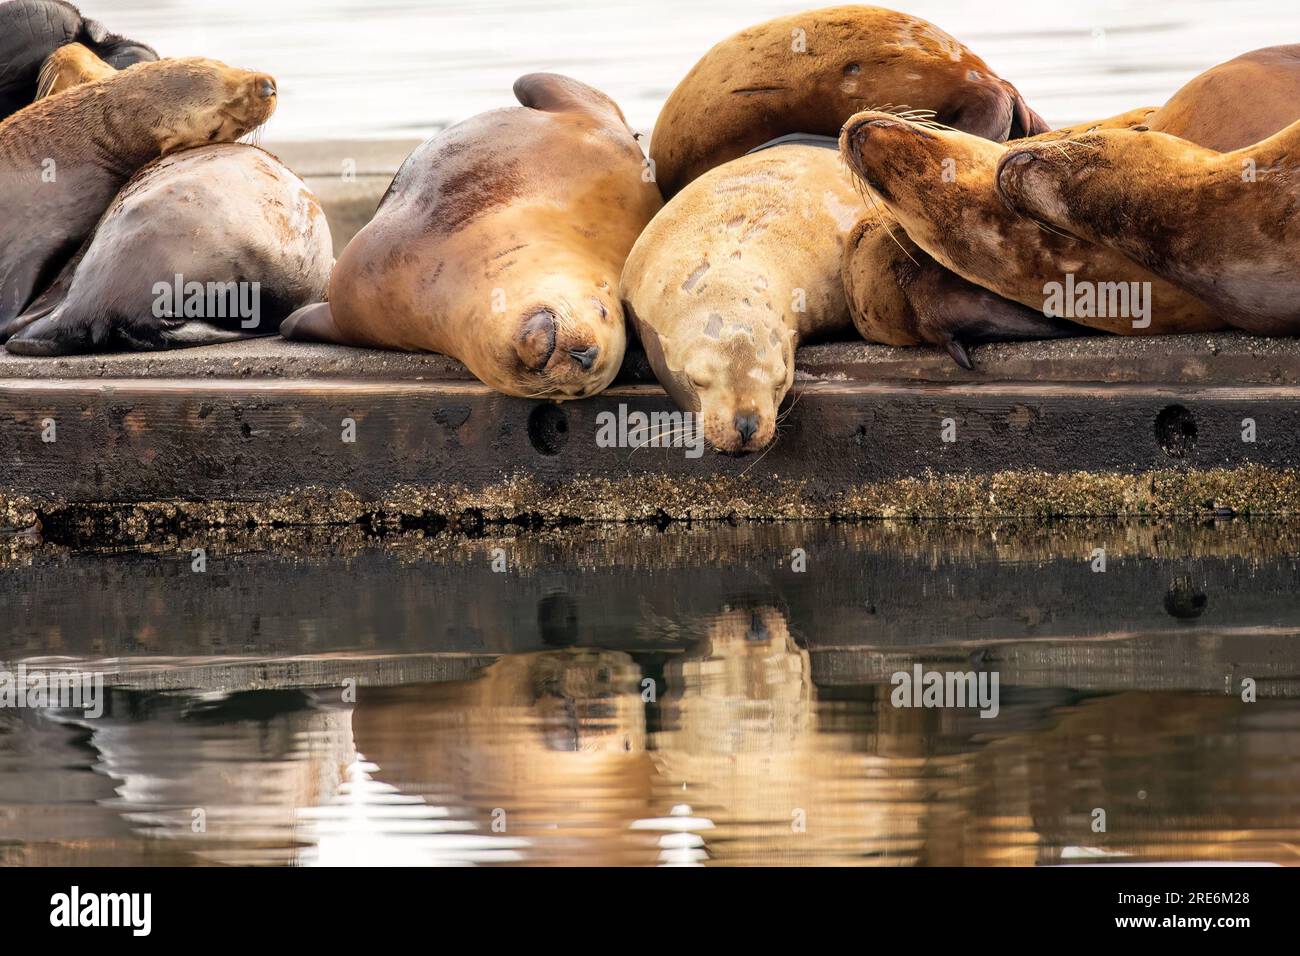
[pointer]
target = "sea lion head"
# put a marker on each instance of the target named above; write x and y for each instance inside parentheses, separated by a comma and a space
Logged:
(732, 371)
(568, 339)
(194, 101)
(1087, 186)
(936, 182)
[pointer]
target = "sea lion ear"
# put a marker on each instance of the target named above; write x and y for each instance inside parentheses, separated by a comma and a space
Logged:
(553, 93)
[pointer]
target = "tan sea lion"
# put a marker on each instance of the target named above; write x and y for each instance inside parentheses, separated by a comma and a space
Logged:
(1234, 104)
(70, 66)
(500, 243)
(207, 245)
(940, 185)
(809, 72)
(64, 158)
(739, 268)
(1224, 226)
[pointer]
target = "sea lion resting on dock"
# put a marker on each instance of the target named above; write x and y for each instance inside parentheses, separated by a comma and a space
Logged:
(500, 243)
(63, 159)
(940, 186)
(1223, 226)
(739, 268)
(32, 30)
(809, 72)
(207, 245)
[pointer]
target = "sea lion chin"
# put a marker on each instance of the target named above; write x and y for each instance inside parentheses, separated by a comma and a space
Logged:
(500, 243)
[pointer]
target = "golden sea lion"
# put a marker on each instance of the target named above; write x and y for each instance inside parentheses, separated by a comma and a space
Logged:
(70, 66)
(940, 186)
(144, 282)
(809, 72)
(64, 158)
(739, 268)
(500, 243)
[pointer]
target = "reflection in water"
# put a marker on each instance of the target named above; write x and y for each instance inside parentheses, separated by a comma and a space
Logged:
(633, 696)
(545, 758)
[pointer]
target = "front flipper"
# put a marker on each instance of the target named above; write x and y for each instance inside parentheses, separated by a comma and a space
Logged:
(553, 93)
(313, 323)
(57, 334)
(954, 313)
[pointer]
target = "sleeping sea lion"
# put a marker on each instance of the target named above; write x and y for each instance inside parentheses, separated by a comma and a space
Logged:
(64, 158)
(500, 243)
(206, 245)
(809, 72)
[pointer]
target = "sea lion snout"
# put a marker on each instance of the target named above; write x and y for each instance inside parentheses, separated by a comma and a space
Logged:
(536, 342)
(746, 425)
(1025, 183)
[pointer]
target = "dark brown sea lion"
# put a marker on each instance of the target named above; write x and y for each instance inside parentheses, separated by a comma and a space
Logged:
(31, 30)
(739, 268)
(1224, 226)
(63, 159)
(207, 245)
(500, 243)
(940, 185)
(809, 72)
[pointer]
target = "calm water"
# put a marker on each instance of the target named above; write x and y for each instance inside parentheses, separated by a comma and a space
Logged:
(349, 68)
(636, 696)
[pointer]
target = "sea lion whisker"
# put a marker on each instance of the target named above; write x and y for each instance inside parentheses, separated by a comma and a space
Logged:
(770, 446)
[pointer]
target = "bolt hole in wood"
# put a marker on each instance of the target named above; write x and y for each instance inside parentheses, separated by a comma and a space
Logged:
(1176, 431)
(548, 429)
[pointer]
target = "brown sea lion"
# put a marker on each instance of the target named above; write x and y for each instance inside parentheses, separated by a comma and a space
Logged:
(809, 72)
(64, 158)
(739, 268)
(1236, 103)
(31, 30)
(899, 295)
(70, 66)
(940, 185)
(1224, 226)
(500, 243)
(144, 281)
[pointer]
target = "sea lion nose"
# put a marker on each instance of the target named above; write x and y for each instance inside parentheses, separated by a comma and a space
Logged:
(266, 88)
(746, 425)
(585, 357)
(1012, 169)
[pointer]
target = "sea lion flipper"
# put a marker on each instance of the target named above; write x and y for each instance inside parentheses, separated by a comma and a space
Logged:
(47, 336)
(553, 93)
(959, 354)
(313, 323)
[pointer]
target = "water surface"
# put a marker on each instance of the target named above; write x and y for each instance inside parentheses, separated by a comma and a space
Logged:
(349, 68)
(635, 696)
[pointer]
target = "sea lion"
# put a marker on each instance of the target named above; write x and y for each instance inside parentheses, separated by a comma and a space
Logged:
(940, 185)
(898, 295)
(811, 71)
(31, 30)
(739, 268)
(1234, 104)
(500, 243)
(206, 245)
(68, 66)
(1223, 226)
(64, 158)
